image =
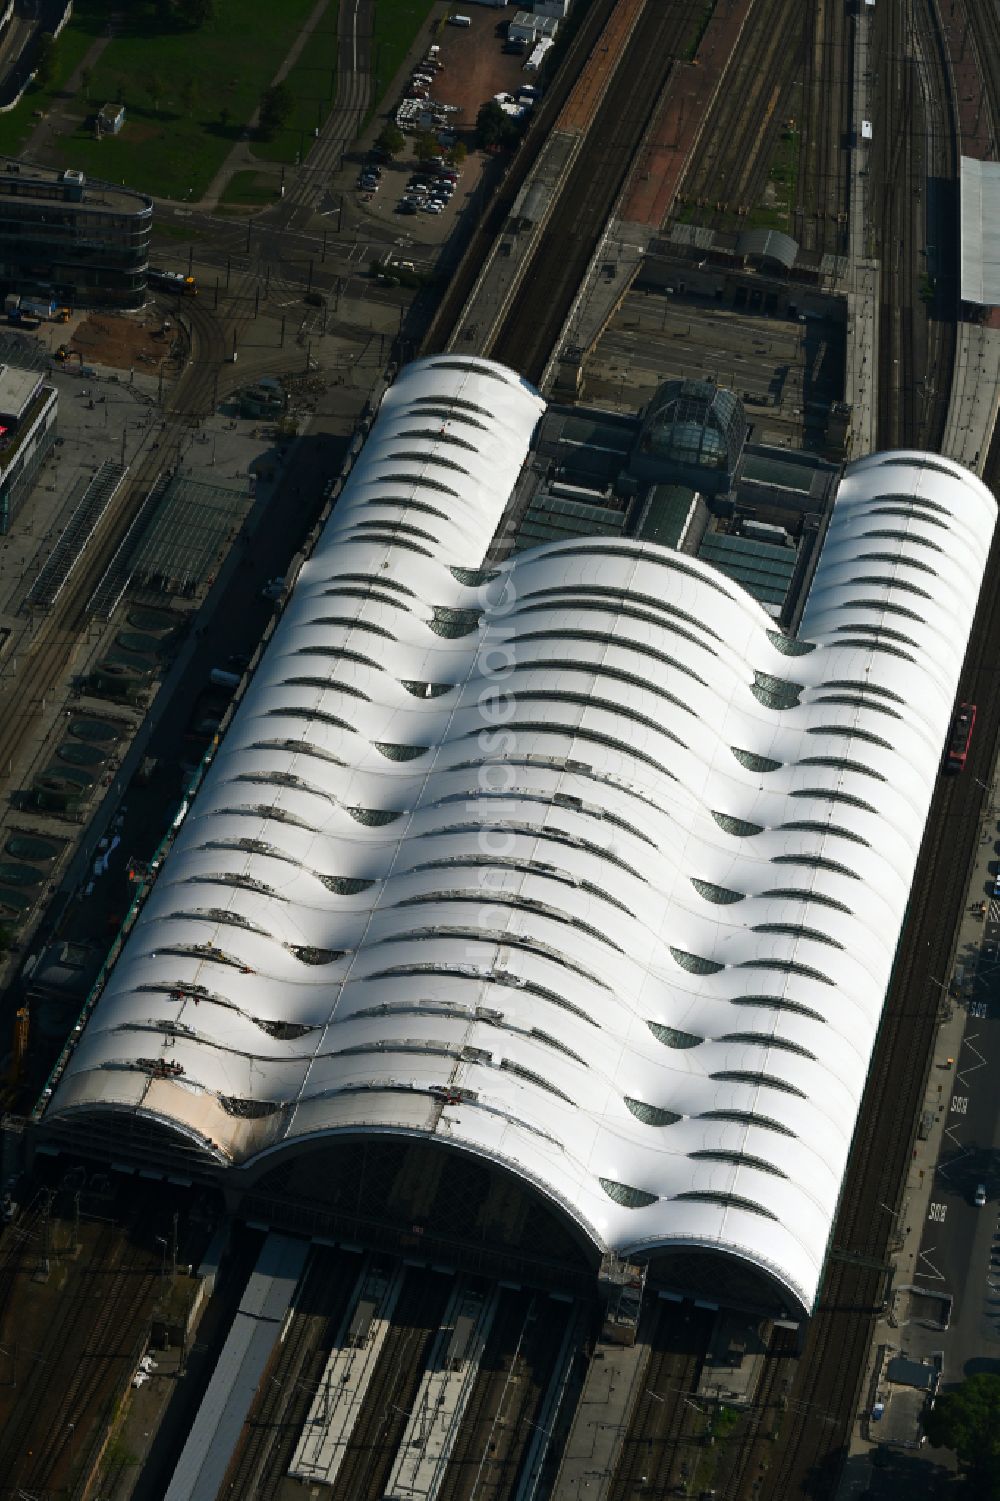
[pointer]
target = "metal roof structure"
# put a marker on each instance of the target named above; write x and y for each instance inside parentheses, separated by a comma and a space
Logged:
(764, 569)
(768, 245)
(256, 1329)
(979, 188)
(186, 533)
(577, 864)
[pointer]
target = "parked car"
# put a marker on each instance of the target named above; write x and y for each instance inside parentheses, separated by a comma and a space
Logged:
(433, 206)
(980, 1195)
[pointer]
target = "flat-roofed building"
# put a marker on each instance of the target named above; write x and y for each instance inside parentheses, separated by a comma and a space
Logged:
(73, 238)
(28, 410)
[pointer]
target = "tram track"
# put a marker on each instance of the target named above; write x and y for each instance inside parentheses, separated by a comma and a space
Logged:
(42, 663)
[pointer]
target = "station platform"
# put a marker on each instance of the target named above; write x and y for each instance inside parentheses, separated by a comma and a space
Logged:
(512, 250)
(578, 112)
(614, 1380)
(975, 396)
(861, 363)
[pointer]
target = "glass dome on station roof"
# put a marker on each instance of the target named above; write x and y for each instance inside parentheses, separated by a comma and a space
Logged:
(694, 422)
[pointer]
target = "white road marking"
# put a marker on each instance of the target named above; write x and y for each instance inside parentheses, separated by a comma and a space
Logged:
(933, 1275)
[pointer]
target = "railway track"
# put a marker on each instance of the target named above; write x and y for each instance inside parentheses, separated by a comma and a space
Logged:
(587, 33)
(497, 1428)
(539, 308)
(20, 1242)
(654, 1457)
(394, 1385)
(918, 145)
(821, 221)
(275, 1421)
(752, 1457)
(807, 1456)
(728, 170)
(73, 1374)
(983, 21)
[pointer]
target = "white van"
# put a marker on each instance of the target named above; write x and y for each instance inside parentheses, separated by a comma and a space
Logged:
(459, 20)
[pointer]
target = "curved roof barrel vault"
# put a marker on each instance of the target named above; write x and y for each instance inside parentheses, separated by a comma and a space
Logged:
(579, 864)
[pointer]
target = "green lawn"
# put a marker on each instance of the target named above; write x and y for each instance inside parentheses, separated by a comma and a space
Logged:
(18, 123)
(313, 76)
(396, 25)
(312, 80)
(250, 187)
(187, 94)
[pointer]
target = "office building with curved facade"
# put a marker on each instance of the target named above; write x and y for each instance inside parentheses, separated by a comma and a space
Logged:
(548, 906)
(76, 239)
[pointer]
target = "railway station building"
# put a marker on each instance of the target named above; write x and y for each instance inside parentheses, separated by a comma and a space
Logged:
(541, 909)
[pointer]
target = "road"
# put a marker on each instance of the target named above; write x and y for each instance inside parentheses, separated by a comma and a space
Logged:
(960, 1249)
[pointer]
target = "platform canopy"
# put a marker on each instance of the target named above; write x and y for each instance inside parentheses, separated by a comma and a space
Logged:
(980, 194)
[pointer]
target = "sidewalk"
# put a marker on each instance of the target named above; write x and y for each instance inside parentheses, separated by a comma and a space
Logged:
(73, 85)
(914, 1205)
(241, 157)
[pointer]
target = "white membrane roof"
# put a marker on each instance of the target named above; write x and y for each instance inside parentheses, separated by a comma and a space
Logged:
(579, 863)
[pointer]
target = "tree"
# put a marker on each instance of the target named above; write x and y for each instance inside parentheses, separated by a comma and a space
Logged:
(490, 123)
(391, 140)
(45, 58)
(276, 105)
(225, 115)
(426, 145)
(968, 1421)
(458, 153)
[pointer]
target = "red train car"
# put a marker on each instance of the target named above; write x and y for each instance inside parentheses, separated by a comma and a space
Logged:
(961, 737)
